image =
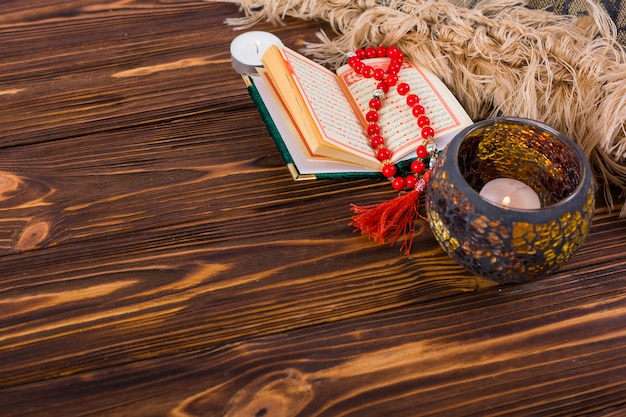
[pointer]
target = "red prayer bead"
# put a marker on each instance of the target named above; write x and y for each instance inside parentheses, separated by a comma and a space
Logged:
(383, 153)
(379, 74)
(377, 141)
(410, 181)
(392, 51)
(358, 67)
(370, 52)
(352, 60)
(398, 183)
(397, 61)
(373, 129)
(383, 86)
(394, 69)
(389, 170)
(418, 110)
(418, 166)
(360, 52)
(367, 71)
(371, 116)
(412, 100)
(423, 121)
(428, 132)
(391, 79)
(375, 104)
(381, 51)
(421, 151)
(403, 89)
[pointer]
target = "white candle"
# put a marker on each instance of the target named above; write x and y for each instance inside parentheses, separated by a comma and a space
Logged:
(510, 193)
(247, 49)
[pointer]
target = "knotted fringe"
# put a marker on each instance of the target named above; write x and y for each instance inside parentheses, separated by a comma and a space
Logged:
(387, 222)
(499, 57)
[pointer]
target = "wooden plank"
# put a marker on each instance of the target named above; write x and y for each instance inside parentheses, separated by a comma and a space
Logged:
(149, 157)
(199, 287)
(551, 348)
(161, 294)
(156, 257)
(92, 67)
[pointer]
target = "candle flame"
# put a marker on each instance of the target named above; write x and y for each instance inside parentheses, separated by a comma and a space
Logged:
(506, 201)
(257, 44)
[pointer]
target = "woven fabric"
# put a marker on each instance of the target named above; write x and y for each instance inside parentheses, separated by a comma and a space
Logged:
(616, 9)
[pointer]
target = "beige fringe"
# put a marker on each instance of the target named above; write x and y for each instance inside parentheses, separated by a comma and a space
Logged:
(498, 57)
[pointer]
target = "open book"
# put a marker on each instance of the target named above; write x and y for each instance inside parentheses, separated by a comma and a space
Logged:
(317, 117)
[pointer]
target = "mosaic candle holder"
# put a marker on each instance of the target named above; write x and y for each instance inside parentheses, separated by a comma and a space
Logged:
(503, 244)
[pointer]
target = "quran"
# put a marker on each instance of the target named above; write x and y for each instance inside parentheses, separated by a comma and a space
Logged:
(316, 117)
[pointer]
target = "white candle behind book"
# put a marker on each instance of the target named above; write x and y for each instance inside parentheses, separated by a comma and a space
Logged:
(247, 49)
(510, 193)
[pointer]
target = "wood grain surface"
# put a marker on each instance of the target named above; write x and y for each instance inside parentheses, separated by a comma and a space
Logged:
(157, 259)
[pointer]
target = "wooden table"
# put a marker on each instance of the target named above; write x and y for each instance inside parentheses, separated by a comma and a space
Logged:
(158, 260)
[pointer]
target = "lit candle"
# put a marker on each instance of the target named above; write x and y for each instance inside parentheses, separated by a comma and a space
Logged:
(510, 193)
(247, 49)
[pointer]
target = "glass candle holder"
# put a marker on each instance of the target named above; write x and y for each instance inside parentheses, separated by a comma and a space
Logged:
(494, 240)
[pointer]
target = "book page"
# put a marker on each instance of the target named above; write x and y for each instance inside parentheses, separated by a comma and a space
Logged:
(304, 161)
(333, 133)
(398, 125)
(327, 103)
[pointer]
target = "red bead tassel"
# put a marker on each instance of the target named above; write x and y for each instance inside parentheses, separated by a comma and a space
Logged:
(387, 222)
(393, 219)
